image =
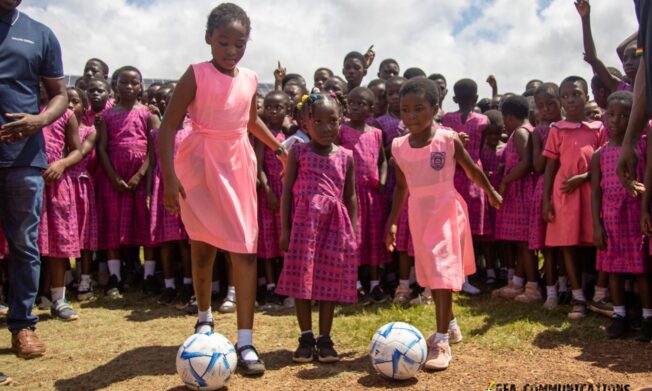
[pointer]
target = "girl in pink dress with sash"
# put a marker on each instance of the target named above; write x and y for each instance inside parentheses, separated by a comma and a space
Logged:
(212, 181)
(426, 163)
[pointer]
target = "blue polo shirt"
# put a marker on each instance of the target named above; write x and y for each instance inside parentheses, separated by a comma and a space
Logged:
(28, 51)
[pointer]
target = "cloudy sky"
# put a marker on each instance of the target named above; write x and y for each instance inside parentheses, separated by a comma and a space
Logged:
(516, 40)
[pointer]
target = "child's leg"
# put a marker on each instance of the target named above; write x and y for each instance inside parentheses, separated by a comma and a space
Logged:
(618, 326)
(85, 288)
(203, 257)
(184, 249)
(644, 283)
(306, 350)
(578, 310)
(113, 262)
(60, 308)
(326, 312)
(304, 314)
(528, 259)
(86, 260)
(439, 352)
(402, 294)
(491, 261)
(550, 270)
(167, 254)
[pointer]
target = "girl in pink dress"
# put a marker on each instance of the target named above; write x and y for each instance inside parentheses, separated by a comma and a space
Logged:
(318, 210)
(516, 187)
(426, 164)
(366, 143)
(58, 237)
(123, 144)
(84, 192)
(215, 170)
(566, 190)
(617, 221)
(546, 98)
(276, 108)
(98, 92)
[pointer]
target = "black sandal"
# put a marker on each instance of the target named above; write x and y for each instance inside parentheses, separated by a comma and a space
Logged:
(205, 323)
(250, 367)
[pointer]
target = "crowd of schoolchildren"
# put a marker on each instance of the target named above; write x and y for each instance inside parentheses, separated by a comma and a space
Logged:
(567, 233)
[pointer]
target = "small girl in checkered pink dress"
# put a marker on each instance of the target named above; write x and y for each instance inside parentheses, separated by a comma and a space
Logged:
(58, 237)
(84, 192)
(366, 143)
(318, 218)
(617, 220)
(123, 144)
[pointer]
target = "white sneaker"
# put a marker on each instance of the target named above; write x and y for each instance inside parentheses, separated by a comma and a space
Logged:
(509, 291)
(551, 302)
(439, 356)
(454, 335)
(424, 298)
(228, 306)
(84, 290)
(470, 289)
(402, 295)
(288, 302)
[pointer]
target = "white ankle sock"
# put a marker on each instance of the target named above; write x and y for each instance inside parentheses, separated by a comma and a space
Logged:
(620, 310)
(358, 285)
(150, 268)
(647, 313)
(563, 283)
(230, 294)
(453, 324)
(441, 337)
(114, 267)
(518, 281)
(373, 284)
(510, 274)
(600, 293)
(306, 332)
(204, 316)
(270, 286)
(404, 283)
(551, 290)
(245, 337)
(578, 295)
(169, 283)
(187, 281)
(57, 293)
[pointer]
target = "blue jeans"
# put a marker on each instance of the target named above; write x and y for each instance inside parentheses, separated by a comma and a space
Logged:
(21, 199)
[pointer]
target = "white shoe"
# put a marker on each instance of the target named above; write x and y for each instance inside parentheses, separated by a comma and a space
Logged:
(551, 302)
(424, 298)
(402, 295)
(228, 306)
(470, 289)
(439, 356)
(288, 302)
(529, 295)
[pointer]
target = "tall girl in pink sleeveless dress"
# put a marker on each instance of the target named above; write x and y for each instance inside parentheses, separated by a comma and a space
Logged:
(426, 163)
(212, 181)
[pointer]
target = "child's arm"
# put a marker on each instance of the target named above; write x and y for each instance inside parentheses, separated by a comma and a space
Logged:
(538, 160)
(548, 211)
(55, 170)
(599, 236)
(286, 201)
(279, 74)
(474, 173)
(134, 181)
(624, 44)
(89, 144)
(382, 169)
(149, 177)
(272, 200)
(646, 220)
(259, 129)
(350, 198)
(523, 143)
(400, 195)
(493, 83)
(590, 54)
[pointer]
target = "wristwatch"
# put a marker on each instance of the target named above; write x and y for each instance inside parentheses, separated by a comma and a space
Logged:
(280, 150)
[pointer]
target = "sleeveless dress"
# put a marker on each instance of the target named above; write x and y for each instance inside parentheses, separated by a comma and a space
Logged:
(537, 231)
(473, 195)
(621, 214)
(84, 192)
(269, 222)
(216, 163)
(371, 217)
(321, 262)
(513, 219)
(58, 236)
(123, 219)
(443, 244)
(163, 226)
(573, 144)
(491, 162)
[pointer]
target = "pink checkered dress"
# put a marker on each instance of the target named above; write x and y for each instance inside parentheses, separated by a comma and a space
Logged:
(163, 226)
(403, 236)
(321, 262)
(269, 222)
(123, 219)
(371, 217)
(84, 191)
(473, 195)
(392, 127)
(4, 246)
(537, 231)
(621, 213)
(513, 219)
(58, 235)
(491, 160)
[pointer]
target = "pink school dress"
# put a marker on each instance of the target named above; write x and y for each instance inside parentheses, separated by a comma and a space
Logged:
(473, 195)
(123, 219)
(403, 236)
(371, 217)
(269, 222)
(163, 226)
(391, 127)
(573, 144)
(537, 230)
(58, 236)
(321, 262)
(216, 163)
(491, 163)
(84, 192)
(513, 219)
(621, 214)
(443, 244)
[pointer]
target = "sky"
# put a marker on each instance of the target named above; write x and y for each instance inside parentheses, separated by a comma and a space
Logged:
(516, 40)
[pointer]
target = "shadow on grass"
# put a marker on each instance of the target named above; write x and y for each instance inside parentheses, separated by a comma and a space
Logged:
(376, 381)
(348, 363)
(143, 361)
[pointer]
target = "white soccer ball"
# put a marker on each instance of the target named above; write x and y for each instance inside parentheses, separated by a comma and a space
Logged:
(398, 350)
(206, 361)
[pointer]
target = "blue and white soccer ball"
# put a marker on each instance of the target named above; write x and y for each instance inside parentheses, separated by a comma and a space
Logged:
(398, 350)
(206, 361)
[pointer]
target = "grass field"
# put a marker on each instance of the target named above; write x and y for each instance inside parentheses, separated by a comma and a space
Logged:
(130, 344)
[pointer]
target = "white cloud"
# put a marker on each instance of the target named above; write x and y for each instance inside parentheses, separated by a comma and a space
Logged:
(508, 38)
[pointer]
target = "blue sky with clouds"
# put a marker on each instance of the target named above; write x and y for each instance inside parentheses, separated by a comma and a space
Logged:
(515, 40)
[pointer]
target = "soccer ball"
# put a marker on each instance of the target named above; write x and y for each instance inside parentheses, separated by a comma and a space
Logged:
(398, 350)
(206, 361)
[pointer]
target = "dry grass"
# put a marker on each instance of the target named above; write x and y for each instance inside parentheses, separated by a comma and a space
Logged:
(131, 344)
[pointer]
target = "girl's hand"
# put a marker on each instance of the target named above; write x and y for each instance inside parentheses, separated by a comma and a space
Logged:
(98, 120)
(154, 110)
(119, 184)
(134, 181)
(171, 190)
(284, 241)
(272, 200)
(548, 212)
(634, 188)
(390, 239)
(491, 80)
(464, 138)
(646, 224)
(369, 57)
(279, 73)
(283, 157)
(571, 184)
(54, 172)
(583, 8)
(495, 199)
(599, 237)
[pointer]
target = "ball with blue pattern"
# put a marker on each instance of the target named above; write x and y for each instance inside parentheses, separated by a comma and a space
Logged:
(398, 350)
(206, 361)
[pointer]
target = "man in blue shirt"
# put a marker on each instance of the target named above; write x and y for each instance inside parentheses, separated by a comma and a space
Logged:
(29, 53)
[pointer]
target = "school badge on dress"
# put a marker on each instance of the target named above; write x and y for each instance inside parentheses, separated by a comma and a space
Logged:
(437, 160)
